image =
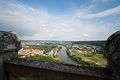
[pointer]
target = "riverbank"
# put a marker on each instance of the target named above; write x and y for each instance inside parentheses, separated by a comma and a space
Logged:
(87, 59)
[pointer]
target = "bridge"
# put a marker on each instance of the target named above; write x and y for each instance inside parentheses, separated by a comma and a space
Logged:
(14, 68)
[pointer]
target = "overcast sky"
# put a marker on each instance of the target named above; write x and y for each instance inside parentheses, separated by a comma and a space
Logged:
(60, 19)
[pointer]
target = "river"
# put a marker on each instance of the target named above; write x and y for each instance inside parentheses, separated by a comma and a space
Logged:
(62, 54)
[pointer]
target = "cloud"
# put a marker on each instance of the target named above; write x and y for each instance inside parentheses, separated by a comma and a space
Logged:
(38, 23)
(86, 35)
(89, 15)
(102, 1)
(21, 17)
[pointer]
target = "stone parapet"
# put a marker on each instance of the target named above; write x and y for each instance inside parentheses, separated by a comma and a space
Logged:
(112, 52)
(9, 41)
(9, 46)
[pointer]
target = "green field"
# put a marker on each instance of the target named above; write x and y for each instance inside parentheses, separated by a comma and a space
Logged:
(88, 59)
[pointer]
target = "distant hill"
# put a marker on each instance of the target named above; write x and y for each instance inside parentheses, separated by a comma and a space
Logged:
(96, 43)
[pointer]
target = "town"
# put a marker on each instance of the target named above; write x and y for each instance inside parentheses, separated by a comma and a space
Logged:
(64, 52)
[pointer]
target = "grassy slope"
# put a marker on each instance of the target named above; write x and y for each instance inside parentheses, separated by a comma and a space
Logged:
(87, 59)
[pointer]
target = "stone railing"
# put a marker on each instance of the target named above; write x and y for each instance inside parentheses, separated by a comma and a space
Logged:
(13, 68)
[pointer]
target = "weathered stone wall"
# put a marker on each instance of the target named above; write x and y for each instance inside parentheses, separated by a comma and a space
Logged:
(112, 53)
(42, 70)
(9, 46)
(39, 70)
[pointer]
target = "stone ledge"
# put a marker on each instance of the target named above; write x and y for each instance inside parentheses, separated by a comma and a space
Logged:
(64, 68)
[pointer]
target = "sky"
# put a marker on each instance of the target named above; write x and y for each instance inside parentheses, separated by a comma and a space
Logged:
(69, 20)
